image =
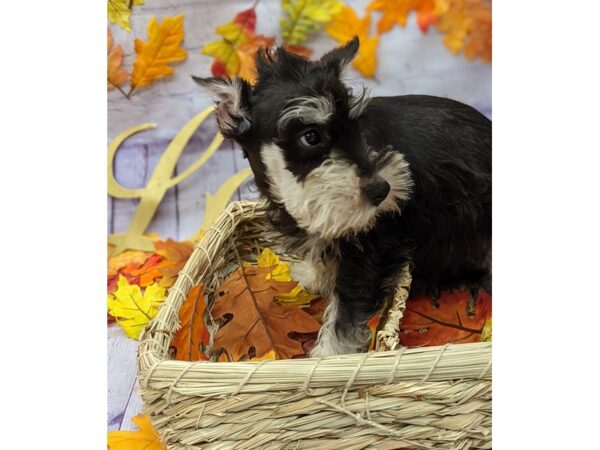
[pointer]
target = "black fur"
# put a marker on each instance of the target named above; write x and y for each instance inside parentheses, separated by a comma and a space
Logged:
(444, 228)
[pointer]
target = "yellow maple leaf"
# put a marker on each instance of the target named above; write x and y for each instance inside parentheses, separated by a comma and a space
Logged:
(397, 11)
(116, 75)
(119, 12)
(161, 48)
(344, 26)
(280, 271)
(303, 17)
(131, 309)
(296, 296)
(145, 439)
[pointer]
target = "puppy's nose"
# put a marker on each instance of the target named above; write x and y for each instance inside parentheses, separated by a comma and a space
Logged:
(376, 191)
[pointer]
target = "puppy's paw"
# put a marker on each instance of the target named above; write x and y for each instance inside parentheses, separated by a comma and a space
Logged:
(323, 348)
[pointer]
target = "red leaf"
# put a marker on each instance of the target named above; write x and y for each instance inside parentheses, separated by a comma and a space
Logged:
(424, 325)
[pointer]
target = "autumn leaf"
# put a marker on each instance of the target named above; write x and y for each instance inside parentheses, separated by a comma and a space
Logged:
(145, 439)
(467, 27)
(147, 272)
(234, 34)
(119, 12)
(280, 271)
(121, 260)
(372, 324)
(175, 256)
(114, 279)
(247, 55)
(303, 17)
(116, 75)
(486, 333)
(397, 11)
(298, 50)
(162, 47)
(132, 309)
(256, 323)
(192, 333)
(424, 325)
(344, 26)
(269, 356)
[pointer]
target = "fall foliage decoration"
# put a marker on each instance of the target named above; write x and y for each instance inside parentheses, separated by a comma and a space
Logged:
(192, 333)
(467, 27)
(132, 309)
(235, 54)
(146, 438)
(425, 325)
(397, 11)
(162, 48)
(344, 26)
(255, 323)
(119, 12)
(174, 254)
(116, 74)
(303, 17)
(226, 51)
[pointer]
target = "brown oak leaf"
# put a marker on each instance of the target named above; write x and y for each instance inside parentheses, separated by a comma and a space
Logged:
(255, 323)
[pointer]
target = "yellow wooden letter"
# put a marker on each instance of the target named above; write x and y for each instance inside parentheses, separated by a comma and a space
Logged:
(161, 180)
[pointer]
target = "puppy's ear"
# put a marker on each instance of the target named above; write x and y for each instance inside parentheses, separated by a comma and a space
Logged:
(340, 57)
(232, 96)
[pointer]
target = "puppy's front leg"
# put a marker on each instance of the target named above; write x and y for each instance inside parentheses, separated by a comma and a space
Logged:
(344, 328)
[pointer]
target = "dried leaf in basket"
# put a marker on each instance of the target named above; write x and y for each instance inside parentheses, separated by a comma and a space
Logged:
(424, 325)
(132, 309)
(280, 271)
(193, 333)
(246, 300)
(145, 439)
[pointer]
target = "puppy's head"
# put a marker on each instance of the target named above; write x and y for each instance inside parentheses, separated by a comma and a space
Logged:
(299, 128)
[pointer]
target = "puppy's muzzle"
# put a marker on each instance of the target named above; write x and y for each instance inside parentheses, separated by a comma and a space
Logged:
(376, 191)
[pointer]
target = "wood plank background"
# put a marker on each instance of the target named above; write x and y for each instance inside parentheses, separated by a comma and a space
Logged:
(409, 63)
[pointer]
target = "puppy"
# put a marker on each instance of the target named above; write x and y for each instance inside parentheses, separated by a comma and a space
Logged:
(359, 186)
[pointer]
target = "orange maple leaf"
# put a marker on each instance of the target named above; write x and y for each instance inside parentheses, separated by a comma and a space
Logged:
(467, 26)
(145, 273)
(344, 26)
(161, 48)
(247, 55)
(397, 11)
(193, 333)
(175, 256)
(424, 325)
(116, 75)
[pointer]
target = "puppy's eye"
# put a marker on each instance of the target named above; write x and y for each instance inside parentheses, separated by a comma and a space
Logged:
(311, 138)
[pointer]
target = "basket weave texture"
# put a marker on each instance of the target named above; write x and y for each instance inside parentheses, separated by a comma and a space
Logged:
(430, 397)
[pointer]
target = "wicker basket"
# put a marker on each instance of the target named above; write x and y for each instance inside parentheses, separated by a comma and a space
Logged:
(431, 397)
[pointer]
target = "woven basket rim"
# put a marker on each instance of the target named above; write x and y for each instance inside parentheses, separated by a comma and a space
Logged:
(155, 368)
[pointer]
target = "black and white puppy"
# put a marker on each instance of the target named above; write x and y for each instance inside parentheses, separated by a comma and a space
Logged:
(359, 186)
